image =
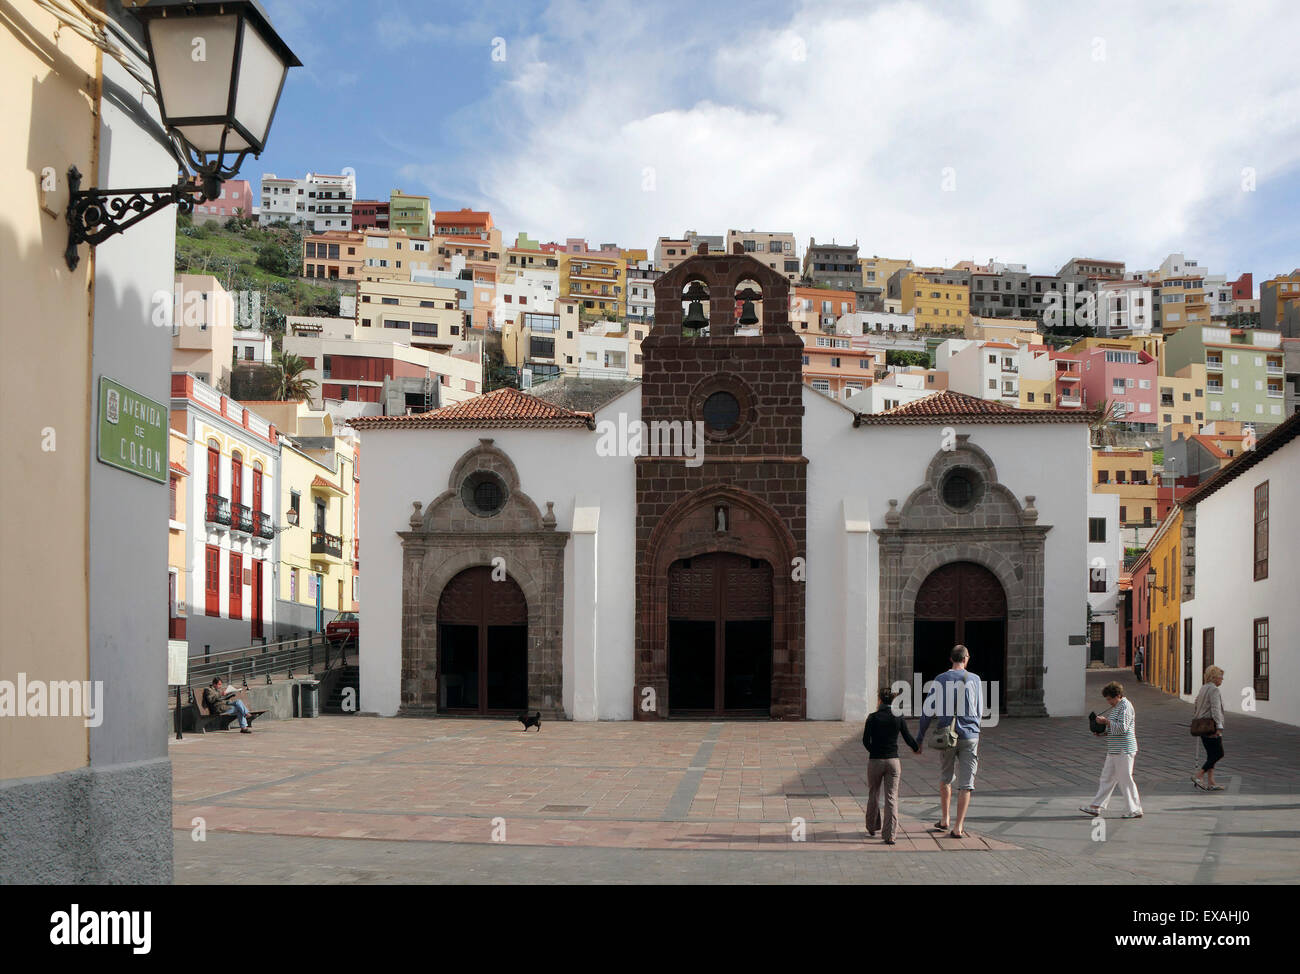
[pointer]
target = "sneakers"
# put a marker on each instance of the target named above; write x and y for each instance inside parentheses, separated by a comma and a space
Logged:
(1131, 815)
(1089, 810)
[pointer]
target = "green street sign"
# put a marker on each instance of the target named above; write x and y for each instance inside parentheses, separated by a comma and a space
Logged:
(132, 431)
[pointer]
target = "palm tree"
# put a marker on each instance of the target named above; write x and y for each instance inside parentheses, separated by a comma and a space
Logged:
(1104, 425)
(292, 384)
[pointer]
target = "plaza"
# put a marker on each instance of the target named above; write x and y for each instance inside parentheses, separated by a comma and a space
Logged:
(446, 800)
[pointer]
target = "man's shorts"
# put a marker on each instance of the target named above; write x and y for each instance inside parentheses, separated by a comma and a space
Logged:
(960, 763)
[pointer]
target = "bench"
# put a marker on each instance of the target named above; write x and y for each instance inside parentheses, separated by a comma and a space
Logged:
(196, 719)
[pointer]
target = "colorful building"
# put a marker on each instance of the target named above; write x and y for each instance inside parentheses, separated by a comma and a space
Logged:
(1113, 372)
(596, 280)
(1164, 597)
(1244, 370)
(370, 214)
(819, 309)
(408, 213)
(236, 199)
(936, 306)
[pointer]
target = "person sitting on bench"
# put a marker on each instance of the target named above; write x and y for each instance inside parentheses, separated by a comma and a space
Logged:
(220, 700)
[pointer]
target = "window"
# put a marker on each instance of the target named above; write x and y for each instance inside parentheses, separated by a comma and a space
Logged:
(1097, 579)
(1096, 530)
(1207, 648)
(174, 482)
(1261, 659)
(1123, 515)
(212, 581)
(236, 586)
(1261, 531)
(959, 489)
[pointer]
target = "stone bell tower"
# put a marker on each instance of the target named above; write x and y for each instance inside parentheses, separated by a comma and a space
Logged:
(742, 504)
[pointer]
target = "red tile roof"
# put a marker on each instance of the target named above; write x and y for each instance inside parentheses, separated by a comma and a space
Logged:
(949, 406)
(319, 481)
(173, 465)
(506, 408)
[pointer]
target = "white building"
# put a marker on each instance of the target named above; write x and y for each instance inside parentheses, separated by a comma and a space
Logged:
(1239, 603)
(641, 277)
(251, 346)
(1105, 562)
(838, 549)
(986, 370)
(894, 390)
(869, 322)
(318, 201)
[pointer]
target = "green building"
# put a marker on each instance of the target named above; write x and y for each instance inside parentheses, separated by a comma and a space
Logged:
(409, 213)
(1244, 371)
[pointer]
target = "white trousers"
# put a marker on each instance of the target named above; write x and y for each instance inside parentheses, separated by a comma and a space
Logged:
(1118, 772)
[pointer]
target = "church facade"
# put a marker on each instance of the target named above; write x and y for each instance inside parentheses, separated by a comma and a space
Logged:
(719, 540)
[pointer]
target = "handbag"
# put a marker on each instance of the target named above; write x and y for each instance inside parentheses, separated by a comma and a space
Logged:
(943, 738)
(1203, 726)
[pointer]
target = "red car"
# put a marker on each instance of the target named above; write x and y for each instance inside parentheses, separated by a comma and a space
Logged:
(344, 626)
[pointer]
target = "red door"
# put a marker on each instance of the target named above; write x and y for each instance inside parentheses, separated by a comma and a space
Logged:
(257, 497)
(236, 480)
(257, 584)
(212, 581)
(236, 586)
(214, 481)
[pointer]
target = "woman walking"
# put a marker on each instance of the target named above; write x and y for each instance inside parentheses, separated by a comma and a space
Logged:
(1209, 704)
(1120, 725)
(884, 771)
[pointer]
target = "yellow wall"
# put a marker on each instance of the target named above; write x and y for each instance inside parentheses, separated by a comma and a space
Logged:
(1165, 632)
(297, 472)
(49, 120)
(938, 307)
(1041, 390)
(1190, 382)
(876, 271)
(596, 282)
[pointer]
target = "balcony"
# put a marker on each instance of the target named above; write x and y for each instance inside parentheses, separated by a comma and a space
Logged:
(1072, 402)
(326, 544)
(1214, 387)
(242, 519)
(264, 527)
(1274, 368)
(1214, 364)
(1275, 392)
(218, 510)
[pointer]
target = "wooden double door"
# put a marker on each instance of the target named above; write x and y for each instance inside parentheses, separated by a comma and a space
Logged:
(961, 603)
(720, 630)
(482, 645)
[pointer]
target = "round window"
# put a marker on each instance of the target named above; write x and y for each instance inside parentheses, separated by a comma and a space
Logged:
(483, 493)
(721, 412)
(959, 489)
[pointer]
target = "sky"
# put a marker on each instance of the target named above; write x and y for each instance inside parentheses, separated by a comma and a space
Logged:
(1026, 132)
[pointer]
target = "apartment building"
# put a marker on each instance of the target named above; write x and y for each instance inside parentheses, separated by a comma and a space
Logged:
(349, 362)
(236, 199)
(897, 388)
(233, 459)
(1016, 331)
(462, 223)
(776, 250)
(819, 309)
(1105, 563)
(1276, 296)
(1068, 369)
(641, 277)
(832, 265)
(596, 281)
(671, 251)
(876, 271)
(203, 328)
(473, 250)
(936, 305)
(875, 323)
(370, 214)
(409, 213)
(1092, 267)
(1116, 372)
(1131, 475)
(318, 201)
(1245, 370)
(1182, 405)
(423, 315)
(986, 370)
(836, 367)
(369, 255)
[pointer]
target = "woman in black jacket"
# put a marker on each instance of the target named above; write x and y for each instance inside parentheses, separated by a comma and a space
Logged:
(884, 771)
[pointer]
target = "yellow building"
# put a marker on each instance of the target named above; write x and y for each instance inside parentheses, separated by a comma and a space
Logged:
(938, 307)
(1036, 393)
(596, 280)
(876, 271)
(1017, 331)
(179, 486)
(1181, 407)
(1131, 475)
(421, 315)
(1182, 303)
(1163, 628)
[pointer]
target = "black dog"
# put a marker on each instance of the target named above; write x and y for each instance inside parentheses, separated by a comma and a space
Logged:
(1095, 727)
(531, 720)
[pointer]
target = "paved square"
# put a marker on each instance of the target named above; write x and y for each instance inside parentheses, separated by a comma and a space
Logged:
(479, 800)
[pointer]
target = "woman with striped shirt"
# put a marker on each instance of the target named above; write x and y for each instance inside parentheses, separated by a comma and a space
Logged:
(1120, 723)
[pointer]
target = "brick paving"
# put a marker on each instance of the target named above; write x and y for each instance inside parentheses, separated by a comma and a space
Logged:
(611, 793)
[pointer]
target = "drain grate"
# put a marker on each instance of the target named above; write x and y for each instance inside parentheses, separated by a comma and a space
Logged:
(565, 808)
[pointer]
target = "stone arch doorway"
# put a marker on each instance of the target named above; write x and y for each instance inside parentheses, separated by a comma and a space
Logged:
(720, 618)
(961, 603)
(483, 643)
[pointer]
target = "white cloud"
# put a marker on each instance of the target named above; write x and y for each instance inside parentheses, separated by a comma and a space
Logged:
(1106, 130)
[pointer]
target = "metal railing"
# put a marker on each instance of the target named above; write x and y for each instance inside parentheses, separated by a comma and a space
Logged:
(323, 543)
(218, 509)
(265, 529)
(309, 653)
(242, 518)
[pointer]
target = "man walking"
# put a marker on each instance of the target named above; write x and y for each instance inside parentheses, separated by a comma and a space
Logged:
(1138, 658)
(957, 701)
(1120, 723)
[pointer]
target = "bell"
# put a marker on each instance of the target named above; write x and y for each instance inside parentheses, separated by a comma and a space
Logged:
(748, 316)
(695, 316)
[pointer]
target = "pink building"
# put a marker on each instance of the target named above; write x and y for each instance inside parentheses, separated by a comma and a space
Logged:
(1126, 377)
(236, 194)
(1067, 377)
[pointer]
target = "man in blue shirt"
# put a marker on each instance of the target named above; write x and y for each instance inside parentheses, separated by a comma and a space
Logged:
(957, 697)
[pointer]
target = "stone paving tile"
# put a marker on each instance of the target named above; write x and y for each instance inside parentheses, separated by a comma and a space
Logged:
(444, 780)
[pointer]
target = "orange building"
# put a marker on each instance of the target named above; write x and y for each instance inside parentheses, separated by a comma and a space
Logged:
(833, 366)
(817, 309)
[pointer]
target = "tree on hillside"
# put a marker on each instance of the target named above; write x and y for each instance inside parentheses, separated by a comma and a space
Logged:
(293, 385)
(904, 357)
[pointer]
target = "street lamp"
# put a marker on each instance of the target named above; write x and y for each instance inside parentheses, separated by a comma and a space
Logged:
(1152, 576)
(218, 70)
